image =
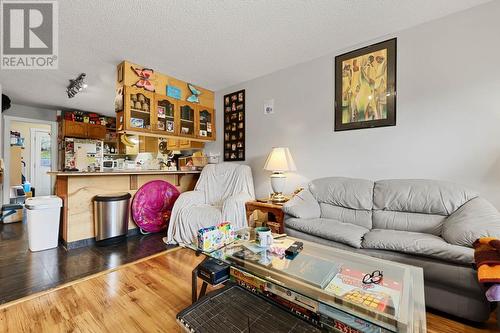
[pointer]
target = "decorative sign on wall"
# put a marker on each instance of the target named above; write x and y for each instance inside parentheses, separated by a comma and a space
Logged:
(174, 92)
(234, 126)
(365, 87)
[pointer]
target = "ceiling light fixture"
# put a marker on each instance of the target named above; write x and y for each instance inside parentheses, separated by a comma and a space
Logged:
(77, 85)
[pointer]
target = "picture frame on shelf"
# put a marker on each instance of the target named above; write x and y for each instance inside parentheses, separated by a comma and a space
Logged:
(161, 111)
(365, 87)
(234, 126)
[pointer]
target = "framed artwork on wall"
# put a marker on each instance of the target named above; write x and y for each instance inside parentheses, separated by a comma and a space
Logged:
(365, 87)
(234, 126)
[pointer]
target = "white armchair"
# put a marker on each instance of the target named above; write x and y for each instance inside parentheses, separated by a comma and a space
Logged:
(219, 195)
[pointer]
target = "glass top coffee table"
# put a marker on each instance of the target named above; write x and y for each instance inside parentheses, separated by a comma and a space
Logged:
(334, 278)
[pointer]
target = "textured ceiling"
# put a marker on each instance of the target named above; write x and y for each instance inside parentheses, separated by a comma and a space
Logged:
(212, 43)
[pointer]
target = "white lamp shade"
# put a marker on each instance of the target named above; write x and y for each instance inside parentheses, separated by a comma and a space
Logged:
(280, 160)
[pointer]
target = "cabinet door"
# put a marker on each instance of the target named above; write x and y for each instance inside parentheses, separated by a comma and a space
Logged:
(75, 129)
(137, 109)
(186, 144)
(165, 115)
(187, 119)
(172, 144)
(96, 132)
(205, 123)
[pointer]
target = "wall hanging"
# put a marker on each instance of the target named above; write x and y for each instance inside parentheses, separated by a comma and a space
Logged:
(145, 75)
(234, 126)
(365, 87)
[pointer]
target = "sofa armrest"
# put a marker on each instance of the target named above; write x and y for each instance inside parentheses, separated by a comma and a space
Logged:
(475, 219)
(303, 205)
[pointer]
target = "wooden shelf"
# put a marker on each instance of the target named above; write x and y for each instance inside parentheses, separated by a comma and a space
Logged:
(140, 111)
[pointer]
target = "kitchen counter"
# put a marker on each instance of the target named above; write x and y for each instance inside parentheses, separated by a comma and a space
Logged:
(121, 173)
(77, 190)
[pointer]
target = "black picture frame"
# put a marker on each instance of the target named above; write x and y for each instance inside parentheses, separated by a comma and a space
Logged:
(390, 92)
(234, 126)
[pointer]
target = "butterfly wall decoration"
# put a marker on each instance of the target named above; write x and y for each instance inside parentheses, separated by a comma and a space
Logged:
(195, 93)
(145, 75)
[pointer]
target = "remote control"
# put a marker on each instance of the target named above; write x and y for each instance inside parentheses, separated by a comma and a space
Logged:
(294, 249)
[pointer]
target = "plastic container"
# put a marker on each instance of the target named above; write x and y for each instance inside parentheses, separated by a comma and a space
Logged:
(42, 216)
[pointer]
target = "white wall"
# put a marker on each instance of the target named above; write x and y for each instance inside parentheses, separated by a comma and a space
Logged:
(30, 112)
(448, 112)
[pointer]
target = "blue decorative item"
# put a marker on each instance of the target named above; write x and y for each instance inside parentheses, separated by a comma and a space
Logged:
(174, 92)
(195, 93)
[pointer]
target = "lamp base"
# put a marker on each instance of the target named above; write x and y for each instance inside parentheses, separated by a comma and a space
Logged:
(278, 180)
(278, 197)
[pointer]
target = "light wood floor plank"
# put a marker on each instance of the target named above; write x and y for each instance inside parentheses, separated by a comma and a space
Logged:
(140, 297)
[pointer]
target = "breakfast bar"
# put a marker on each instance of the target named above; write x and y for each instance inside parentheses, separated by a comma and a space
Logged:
(78, 188)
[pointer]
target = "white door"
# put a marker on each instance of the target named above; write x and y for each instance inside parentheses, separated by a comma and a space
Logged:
(41, 161)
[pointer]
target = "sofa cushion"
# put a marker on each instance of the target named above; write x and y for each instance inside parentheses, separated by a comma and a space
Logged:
(420, 196)
(330, 229)
(302, 205)
(418, 244)
(359, 217)
(477, 218)
(415, 222)
(344, 192)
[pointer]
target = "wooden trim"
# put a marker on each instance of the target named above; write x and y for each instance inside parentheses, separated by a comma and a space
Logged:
(133, 182)
(62, 192)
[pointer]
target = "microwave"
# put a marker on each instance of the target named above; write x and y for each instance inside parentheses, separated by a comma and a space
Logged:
(109, 164)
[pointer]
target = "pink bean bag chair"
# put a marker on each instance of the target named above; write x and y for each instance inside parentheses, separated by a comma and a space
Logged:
(152, 205)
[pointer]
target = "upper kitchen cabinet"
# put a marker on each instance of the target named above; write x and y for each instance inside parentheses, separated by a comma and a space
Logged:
(187, 119)
(76, 129)
(205, 123)
(166, 115)
(153, 104)
(137, 105)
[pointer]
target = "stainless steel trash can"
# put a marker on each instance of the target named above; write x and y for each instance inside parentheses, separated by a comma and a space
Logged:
(111, 213)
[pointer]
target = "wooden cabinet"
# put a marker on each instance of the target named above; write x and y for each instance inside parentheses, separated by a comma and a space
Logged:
(184, 144)
(205, 122)
(148, 144)
(166, 115)
(187, 119)
(96, 132)
(141, 112)
(75, 129)
(137, 114)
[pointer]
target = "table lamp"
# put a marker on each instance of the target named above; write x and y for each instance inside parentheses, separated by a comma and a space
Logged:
(279, 161)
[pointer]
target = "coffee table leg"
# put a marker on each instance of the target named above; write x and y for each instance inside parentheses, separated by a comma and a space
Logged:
(194, 285)
(203, 290)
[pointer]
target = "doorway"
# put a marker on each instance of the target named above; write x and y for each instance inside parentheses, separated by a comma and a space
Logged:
(40, 160)
(30, 151)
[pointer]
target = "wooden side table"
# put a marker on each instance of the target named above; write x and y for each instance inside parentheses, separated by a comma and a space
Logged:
(275, 216)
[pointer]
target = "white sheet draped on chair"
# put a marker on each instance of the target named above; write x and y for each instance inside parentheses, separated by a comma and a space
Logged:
(219, 195)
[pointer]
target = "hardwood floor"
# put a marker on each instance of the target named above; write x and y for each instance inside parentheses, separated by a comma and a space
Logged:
(23, 272)
(139, 297)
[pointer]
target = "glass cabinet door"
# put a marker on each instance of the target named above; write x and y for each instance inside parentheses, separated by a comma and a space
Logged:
(138, 105)
(166, 110)
(187, 119)
(205, 123)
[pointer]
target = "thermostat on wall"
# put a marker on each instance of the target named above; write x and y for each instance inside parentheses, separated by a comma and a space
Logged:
(269, 106)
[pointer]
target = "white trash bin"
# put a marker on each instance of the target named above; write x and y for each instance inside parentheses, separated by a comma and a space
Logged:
(42, 215)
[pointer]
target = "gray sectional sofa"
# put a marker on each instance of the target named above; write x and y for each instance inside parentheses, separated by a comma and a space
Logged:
(425, 223)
